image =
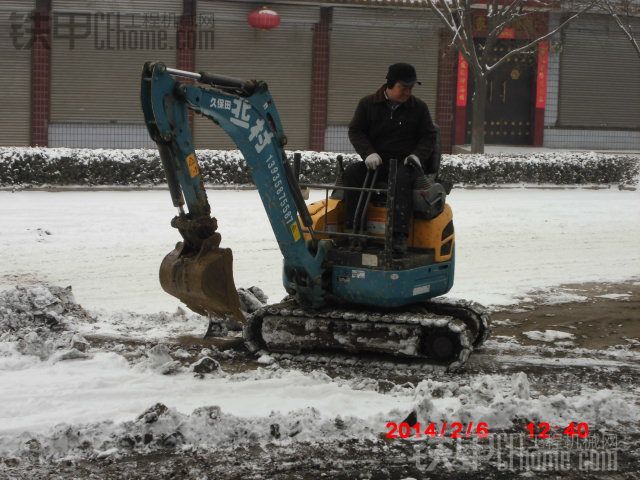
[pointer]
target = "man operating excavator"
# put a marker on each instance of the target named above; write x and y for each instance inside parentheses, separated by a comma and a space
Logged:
(343, 300)
(392, 124)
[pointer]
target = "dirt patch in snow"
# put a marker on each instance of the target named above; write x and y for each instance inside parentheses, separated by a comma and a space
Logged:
(606, 315)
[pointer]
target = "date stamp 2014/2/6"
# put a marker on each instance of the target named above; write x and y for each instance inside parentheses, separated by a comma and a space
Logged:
(444, 429)
(542, 430)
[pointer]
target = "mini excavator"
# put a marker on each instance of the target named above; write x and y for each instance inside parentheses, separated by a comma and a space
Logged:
(349, 292)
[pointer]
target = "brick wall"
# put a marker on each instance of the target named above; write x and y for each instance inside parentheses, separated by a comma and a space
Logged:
(186, 40)
(41, 74)
(320, 81)
(447, 57)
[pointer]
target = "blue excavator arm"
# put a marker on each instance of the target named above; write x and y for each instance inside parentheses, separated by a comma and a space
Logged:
(199, 272)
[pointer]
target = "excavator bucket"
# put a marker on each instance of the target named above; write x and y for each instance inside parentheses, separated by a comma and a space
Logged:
(202, 280)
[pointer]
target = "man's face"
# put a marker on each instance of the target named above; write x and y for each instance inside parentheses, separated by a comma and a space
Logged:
(400, 92)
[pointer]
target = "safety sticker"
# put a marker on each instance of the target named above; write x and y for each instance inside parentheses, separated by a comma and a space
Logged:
(357, 274)
(422, 289)
(192, 165)
(295, 231)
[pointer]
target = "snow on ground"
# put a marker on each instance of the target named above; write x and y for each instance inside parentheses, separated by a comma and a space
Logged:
(145, 326)
(106, 387)
(494, 399)
(511, 245)
(499, 399)
(109, 245)
(41, 388)
(548, 335)
(553, 296)
(615, 296)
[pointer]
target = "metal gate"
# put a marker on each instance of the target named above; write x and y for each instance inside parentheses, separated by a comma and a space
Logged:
(97, 55)
(599, 76)
(15, 74)
(508, 113)
(282, 57)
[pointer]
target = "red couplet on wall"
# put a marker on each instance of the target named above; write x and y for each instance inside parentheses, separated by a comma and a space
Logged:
(541, 79)
(463, 82)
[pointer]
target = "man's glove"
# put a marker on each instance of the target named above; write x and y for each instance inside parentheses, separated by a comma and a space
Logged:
(413, 161)
(373, 161)
(431, 179)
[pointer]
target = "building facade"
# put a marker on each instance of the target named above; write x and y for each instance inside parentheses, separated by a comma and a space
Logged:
(72, 68)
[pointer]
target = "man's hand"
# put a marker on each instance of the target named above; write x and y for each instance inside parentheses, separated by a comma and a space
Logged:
(373, 161)
(413, 161)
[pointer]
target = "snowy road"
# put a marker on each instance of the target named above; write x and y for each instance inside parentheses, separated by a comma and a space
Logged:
(124, 392)
(513, 247)
(109, 245)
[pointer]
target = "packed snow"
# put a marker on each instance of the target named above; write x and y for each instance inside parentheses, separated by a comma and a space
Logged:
(615, 296)
(109, 245)
(105, 387)
(548, 335)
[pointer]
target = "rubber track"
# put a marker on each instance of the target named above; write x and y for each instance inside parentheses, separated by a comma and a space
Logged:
(469, 320)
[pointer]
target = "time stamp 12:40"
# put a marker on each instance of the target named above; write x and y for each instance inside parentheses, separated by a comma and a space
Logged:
(480, 430)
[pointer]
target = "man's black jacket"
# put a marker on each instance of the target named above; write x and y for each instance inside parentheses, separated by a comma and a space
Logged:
(376, 128)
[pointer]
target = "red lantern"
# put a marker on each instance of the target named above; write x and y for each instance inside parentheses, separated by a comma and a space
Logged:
(264, 18)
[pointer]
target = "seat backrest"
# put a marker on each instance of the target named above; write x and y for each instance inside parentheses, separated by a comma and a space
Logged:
(433, 162)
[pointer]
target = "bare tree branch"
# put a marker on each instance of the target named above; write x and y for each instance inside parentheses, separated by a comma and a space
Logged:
(458, 18)
(625, 27)
(539, 39)
(507, 21)
(445, 20)
(453, 24)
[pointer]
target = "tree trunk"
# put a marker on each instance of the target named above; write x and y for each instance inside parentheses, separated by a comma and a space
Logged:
(479, 104)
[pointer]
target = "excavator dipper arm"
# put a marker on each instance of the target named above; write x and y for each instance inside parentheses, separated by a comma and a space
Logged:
(198, 271)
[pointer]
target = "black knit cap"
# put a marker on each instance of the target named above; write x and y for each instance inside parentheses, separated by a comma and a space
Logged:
(403, 73)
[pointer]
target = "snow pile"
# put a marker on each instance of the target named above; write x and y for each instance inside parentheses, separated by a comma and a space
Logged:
(67, 166)
(252, 299)
(158, 358)
(206, 428)
(42, 321)
(503, 401)
(162, 325)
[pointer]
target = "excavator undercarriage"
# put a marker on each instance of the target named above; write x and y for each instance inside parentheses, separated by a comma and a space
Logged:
(442, 333)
